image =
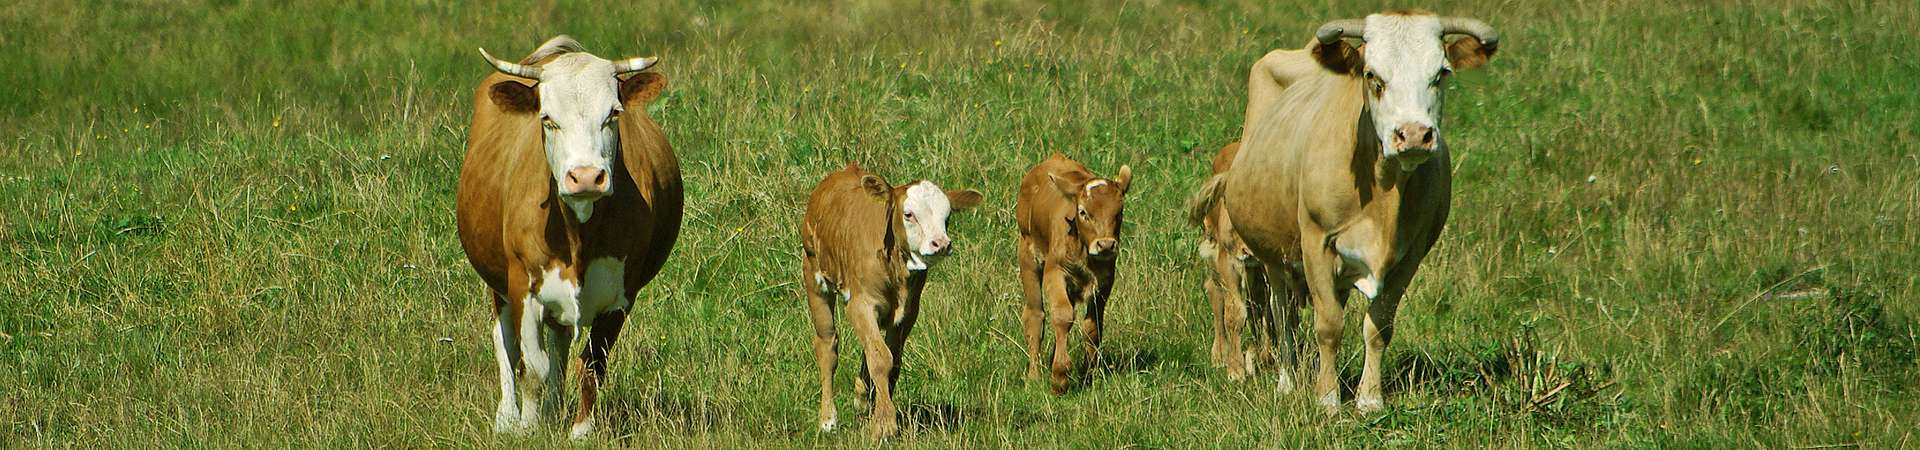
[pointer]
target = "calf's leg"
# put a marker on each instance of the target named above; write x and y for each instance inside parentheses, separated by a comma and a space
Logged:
(879, 362)
(1031, 306)
(826, 344)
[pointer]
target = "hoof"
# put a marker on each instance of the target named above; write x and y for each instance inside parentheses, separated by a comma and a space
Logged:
(827, 426)
(580, 430)
(1331, 403)
(1368, 405)
(1284, 382)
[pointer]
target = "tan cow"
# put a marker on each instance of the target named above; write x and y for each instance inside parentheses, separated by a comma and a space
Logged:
(1343, 179)
(569, 202)
(872, 244)
(1069, 238)
(1237, 288)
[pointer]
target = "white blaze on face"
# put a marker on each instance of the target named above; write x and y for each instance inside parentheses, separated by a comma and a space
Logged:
(924, 211)
(1405, 62)
(579, 101)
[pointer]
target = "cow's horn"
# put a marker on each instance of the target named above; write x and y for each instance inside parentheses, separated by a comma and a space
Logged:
(518, 70)
(634, 64)
(1479, 30)
(1331, 31)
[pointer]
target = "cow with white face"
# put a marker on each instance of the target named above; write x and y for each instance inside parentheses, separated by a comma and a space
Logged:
(868, 245)
(1343, 180)
(1404, 64)
(569, 202)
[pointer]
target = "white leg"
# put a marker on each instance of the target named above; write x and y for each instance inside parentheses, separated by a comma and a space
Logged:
(505, 419)
(533, 381)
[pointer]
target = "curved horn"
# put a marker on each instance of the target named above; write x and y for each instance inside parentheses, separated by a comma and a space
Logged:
(634, 64)
(518, 70)
(1479, 30)
(1331, 31)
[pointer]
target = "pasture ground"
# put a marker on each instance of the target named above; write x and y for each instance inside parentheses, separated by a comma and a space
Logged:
(230, 223)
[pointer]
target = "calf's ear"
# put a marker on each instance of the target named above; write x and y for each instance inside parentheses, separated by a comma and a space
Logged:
(1340, 57)
(875, 186)
(642, 87)
(1067, 187)
(1124, 179)
(1467, 53)
(964, 199)
(514, 97)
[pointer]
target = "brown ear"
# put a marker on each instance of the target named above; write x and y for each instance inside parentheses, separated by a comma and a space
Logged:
(964, 199)
(1339, 57)
(514, 97)
(1124, 179)
(1066, 187)
(642, 87)
(875, 186)
(1467, 53)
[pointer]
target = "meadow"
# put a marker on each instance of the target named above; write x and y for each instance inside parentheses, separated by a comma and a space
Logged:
(229, 223)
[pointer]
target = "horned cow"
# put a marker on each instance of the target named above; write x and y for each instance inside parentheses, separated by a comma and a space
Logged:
(569, 202)
(1343, 181)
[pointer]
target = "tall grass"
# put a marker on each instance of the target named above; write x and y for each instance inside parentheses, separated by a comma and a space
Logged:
(229, 223)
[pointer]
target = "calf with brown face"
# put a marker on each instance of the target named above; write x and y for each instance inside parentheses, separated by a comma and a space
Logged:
(1069, 239)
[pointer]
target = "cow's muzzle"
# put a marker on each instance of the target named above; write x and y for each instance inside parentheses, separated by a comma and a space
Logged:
(585, 183)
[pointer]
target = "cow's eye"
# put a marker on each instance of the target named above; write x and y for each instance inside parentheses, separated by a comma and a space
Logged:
(548, 123)
(1442, 76)
(910, 216)
(612, 117)
(1083, 212)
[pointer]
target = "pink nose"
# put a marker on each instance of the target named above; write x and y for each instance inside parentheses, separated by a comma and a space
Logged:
(586, 180)
(1413, 136)
(1104, 245)
(939, 244)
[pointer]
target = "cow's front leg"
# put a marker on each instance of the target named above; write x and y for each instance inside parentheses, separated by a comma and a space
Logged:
(1328, 319)
(593, 368)
(536, 364)
(1060, 316)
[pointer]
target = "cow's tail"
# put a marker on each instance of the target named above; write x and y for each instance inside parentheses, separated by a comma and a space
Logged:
(1205, 199)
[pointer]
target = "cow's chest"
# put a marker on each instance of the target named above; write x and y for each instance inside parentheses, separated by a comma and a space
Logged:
(596, 288)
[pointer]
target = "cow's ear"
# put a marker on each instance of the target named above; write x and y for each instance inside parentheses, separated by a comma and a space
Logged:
(514, 97)
(642, 87)
(1067, 187)
(1468, 53)
(964, 199)
(1340, 57)
(875, 186)
(1124, 179)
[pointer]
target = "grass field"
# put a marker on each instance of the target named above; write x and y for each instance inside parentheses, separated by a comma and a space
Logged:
(230, 223)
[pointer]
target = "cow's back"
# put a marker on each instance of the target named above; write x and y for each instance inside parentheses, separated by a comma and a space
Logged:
(845, 227)
(1310, 135)
(1041, 210)
(496, 140)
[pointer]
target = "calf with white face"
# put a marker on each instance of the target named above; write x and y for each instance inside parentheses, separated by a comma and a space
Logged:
(868, 245)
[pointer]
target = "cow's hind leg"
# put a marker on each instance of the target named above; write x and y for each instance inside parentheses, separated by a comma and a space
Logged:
(1031, 307)
(826, 342)
(559, 349)
(1289, 295)
(506, 349)
(593, 368)
(879, 362)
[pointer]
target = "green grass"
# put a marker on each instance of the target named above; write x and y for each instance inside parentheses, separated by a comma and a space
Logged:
(229, 223)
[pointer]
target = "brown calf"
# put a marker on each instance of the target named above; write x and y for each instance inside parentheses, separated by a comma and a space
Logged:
(1069, 238)
(1237, 289)
(872, 244)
